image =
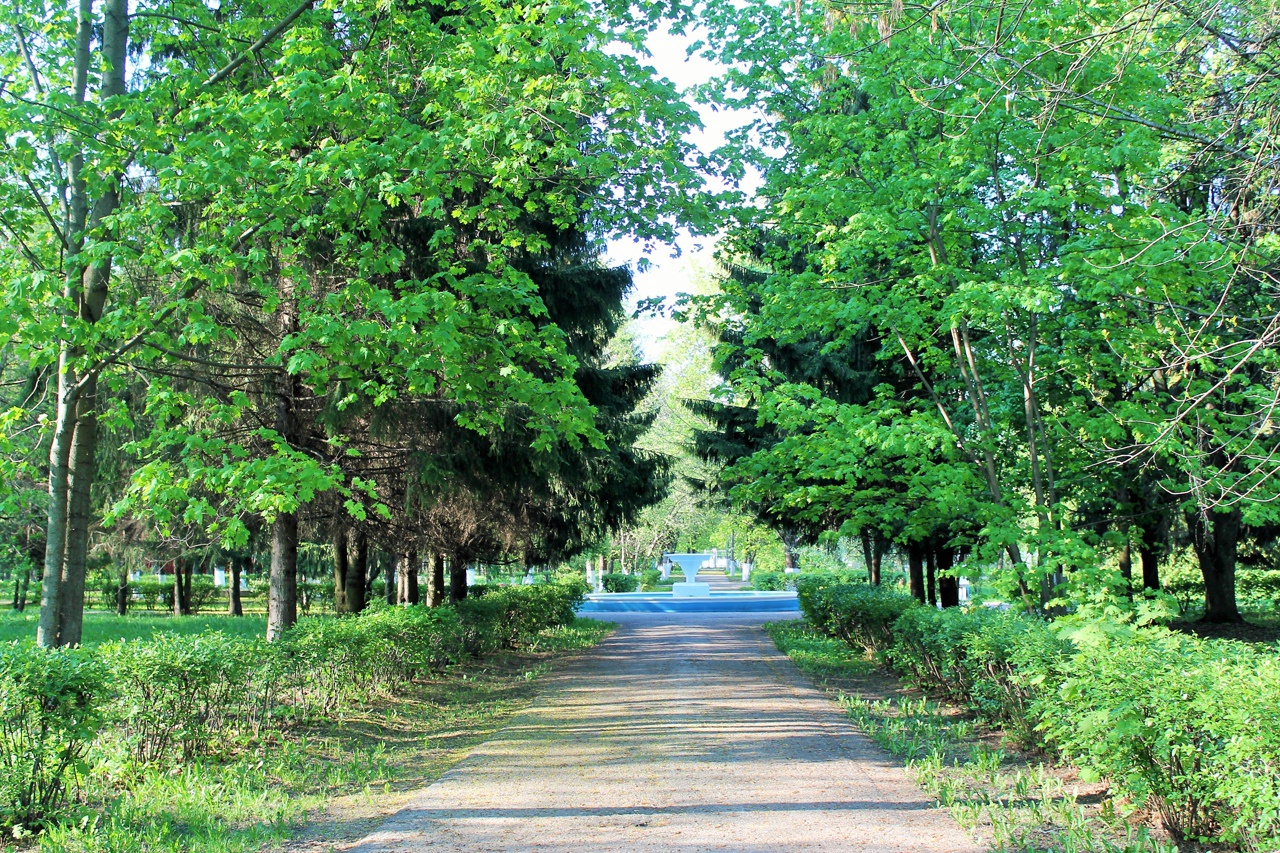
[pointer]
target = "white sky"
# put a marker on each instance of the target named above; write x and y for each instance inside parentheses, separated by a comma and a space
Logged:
(666, 274)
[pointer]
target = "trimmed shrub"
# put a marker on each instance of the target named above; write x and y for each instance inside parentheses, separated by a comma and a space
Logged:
(49, 702)
(176, 697)
(649, 579)
(618, 582)
(1014, 658)
(1185, 724)
(932, 647)
(203, 593)
(331, 664)
(315, 595)
(860, 614)
(507, 616)
(771, 581)
(996, 662)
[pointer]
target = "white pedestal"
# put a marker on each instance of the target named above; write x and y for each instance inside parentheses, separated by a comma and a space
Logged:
(746, 571)
(691, 590)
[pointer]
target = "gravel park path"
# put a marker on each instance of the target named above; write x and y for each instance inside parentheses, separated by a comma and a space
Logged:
(681, 732)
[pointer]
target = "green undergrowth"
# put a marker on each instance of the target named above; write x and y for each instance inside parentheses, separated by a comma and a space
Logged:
(815, 654)
(328, 780)
(1018, 805)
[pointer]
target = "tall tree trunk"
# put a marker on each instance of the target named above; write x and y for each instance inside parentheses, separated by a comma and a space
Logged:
(341, 568)
(72, 453)
(282, 585)
(56, 533)
(931, 578)
(84, 445)
(1149, 556)
(356, 587)
(188, 569)
(790, 548)
(19, 580)
(408, 592)
(1126, 565)
(179, 606)
(1215, 536)
(65, 408)
(915, 571)
(435, 587)
(948, 586)
(234, 607)
(122, 593)
(864, 535)
(389, 579)
(457, 578)
(878, 547)
(282, 589)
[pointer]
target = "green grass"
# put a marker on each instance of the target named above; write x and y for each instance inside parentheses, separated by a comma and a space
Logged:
(1017, 805)
(327, 781)
(99, 626)
(815, 654)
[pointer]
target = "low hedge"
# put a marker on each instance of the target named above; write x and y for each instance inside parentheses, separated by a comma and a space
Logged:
(1183, 724)
(619, 582)
(859, 614)
(175, 698)
(771, 581)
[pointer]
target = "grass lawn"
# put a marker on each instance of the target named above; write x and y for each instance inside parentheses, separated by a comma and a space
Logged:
(321, 782)
(101, 626)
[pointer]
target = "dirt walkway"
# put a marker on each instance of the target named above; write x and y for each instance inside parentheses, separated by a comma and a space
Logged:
(680, 732)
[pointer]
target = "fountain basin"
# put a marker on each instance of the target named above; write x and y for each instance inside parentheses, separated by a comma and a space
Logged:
(666, 602)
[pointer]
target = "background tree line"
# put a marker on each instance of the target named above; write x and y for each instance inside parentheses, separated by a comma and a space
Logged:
(1008, 289)
(287, 272)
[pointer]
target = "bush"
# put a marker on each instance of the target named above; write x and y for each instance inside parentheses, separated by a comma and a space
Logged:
(932, 646)
(995, 662)
(1014, 658)
(1259, 587)
(173, 698)
(152, 591)
(203, 593)
(618, 582)
(176, 697)
(507, 616)
(772, 581)
(860, 614)
(1185, 724)
(649, 579)
(331, 664)
(48, 715)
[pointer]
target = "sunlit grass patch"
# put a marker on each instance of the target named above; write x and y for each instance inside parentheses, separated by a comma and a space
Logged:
(101, 627)
(816, 654)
